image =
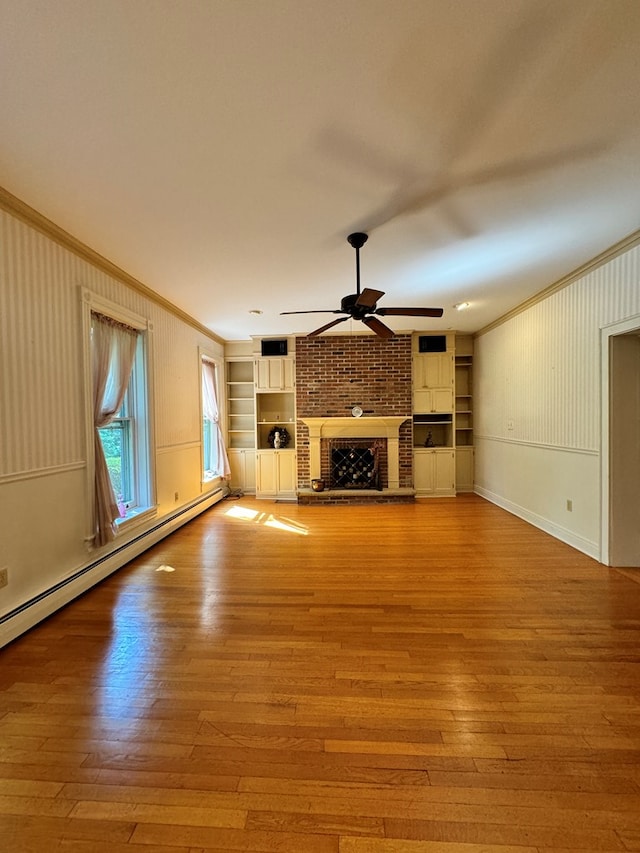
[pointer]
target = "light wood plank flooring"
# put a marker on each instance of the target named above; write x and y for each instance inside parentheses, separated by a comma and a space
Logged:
(429, 678)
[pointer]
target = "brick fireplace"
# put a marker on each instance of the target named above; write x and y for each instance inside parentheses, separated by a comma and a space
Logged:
(336, 373)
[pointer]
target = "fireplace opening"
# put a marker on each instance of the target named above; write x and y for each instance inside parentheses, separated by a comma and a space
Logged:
(354, 464)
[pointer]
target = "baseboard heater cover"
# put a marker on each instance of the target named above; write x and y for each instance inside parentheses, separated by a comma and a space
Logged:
(28, 614)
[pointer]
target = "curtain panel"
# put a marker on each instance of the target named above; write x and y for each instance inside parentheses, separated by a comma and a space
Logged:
(211, 412)
(113, 348)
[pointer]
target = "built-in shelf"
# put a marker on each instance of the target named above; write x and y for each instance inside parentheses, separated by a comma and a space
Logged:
(463, 432)
(240, 405)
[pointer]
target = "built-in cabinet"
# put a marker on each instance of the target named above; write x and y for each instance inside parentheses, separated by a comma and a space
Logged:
(243, 469)
(261, 420)
(275, 373)
(241, 421)
(275, 412)
(433, 400)
(276, 463)
(241, 418)
(433, 418)
(434, 472)
(276, 474)
(464, 469)
(463, 413)
(442, 386)
(434, 369)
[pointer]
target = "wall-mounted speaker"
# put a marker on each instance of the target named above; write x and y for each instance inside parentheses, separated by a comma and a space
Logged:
(274, 347)
(432, 343)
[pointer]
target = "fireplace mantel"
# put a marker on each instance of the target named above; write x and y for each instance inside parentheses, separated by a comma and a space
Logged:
(366, 427)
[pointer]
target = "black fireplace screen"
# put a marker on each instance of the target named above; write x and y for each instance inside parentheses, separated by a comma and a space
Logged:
(354, 466)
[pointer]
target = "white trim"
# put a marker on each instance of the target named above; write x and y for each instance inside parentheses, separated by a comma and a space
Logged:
(136, 519)
(537, 444)
(36, 473)
(101, 305)
(367, 427)
(218, 362)
(185, 445)
(624, 245)
(21, 211)
(606, 333)
(580, 543)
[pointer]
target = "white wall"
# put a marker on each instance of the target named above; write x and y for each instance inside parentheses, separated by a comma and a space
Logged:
(537, 402)
(43, 482)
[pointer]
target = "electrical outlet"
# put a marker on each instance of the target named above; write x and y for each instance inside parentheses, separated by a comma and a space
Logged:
(569, 505)
(4, 577)
(509, 425)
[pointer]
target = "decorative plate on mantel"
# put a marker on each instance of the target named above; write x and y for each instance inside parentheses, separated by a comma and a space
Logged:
(356, 412)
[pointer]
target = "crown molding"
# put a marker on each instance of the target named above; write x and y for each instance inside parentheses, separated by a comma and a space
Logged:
(21, 210)
(604, 257)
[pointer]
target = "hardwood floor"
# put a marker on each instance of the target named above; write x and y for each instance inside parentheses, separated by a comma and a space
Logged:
(439, 677)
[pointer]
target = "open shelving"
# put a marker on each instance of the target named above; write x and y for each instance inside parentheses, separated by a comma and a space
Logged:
(240, 405)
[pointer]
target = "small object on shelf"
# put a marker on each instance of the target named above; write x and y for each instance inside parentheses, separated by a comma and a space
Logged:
(317, 485)
(428, 442)
(279, 434)
(356, 412)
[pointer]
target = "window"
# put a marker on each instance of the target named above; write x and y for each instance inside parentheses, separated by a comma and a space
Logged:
(125, 446)
(214, 455)
(118, 451)
(119, 438)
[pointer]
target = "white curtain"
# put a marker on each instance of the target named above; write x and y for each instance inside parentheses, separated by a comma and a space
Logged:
(211, 412)
(113, 348)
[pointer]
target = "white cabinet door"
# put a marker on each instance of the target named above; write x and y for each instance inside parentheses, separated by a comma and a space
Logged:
(433, 383)
(464, 469)
(423, 472)
(428, 400)
(444, 472)
(243, 469)
(434, 370)
(274, 374)
(287, 471)
(276, 474)
(433, 473)
(266, 474)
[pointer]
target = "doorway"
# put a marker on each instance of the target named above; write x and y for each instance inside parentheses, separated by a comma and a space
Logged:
(621, 444)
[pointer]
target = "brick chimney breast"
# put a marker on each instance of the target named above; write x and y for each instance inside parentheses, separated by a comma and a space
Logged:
(337, 372)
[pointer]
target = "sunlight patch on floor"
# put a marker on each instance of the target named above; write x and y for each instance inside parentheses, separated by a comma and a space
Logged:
(268, 520)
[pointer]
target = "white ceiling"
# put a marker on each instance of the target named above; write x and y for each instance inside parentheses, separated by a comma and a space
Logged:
(220, 151)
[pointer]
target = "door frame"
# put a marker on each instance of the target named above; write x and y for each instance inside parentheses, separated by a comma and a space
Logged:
(612, 330)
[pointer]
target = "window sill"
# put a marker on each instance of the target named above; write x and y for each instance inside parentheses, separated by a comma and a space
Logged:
(135, 517)
(212, 480)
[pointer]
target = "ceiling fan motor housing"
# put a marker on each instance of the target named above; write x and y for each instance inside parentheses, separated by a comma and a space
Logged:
(349, 305)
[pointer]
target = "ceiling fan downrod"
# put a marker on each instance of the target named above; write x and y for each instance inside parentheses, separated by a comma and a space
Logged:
(357, 240)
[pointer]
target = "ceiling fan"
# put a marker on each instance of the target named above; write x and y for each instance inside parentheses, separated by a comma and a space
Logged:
(361, 305)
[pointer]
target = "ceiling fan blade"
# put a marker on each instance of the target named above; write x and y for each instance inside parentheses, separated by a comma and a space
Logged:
(318, 311)
(378, 327)
(369, 297)
(410, 312)
(327, 326)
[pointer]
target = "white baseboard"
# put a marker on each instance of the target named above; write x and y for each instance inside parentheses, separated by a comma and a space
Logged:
(591, 549)
(43, 605)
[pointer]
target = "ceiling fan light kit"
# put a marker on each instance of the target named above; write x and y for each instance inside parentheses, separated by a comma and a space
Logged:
(362, 305)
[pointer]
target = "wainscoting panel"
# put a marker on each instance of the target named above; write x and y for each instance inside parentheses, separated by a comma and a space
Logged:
(537, 397)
